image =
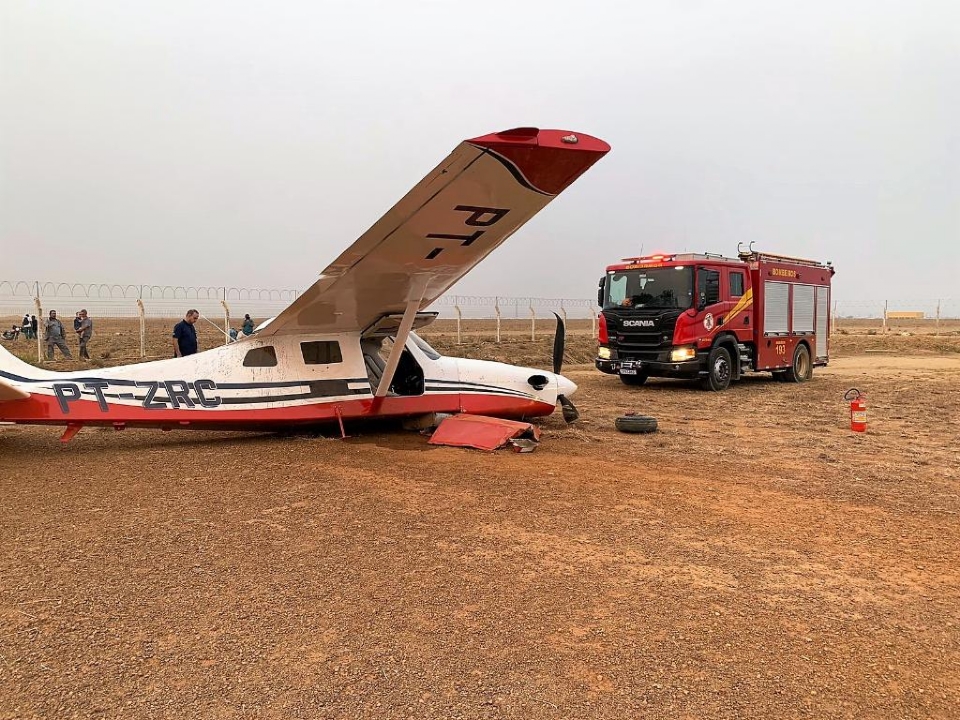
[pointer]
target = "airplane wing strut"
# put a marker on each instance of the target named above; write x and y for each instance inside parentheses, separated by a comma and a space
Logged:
(400, 341)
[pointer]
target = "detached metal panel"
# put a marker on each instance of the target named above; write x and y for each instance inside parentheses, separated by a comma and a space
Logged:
(823, 319)
(803, 308)
(776, 302)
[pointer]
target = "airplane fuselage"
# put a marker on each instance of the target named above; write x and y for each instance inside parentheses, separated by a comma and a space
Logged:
(283, 380)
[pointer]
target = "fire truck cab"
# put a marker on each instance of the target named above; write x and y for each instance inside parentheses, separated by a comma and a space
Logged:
(714, 318)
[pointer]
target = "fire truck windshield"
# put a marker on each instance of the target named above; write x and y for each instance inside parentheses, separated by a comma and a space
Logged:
(656, 288)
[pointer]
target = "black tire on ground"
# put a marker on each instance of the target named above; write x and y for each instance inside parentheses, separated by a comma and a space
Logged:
(636, 424)
(719, 370)
(802, 369)
(639, 379)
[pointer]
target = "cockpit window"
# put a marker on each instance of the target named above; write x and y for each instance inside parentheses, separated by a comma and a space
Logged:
(424, 347)
(264, 356)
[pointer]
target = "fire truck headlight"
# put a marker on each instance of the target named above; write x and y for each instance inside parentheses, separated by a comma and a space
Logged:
(603, 353)
(682, 354)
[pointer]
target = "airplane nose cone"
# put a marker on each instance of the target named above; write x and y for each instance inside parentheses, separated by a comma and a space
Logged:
(565, 387)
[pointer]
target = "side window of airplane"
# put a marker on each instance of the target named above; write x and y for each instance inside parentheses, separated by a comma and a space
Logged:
(321, 352)
(264, 356)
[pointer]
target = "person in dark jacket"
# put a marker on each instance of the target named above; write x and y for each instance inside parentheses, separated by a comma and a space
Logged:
(185, 335)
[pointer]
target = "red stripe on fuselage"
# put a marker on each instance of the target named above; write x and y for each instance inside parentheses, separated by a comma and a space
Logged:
(43, 409)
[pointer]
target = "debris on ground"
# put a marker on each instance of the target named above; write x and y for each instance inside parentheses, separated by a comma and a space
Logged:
(486, 433)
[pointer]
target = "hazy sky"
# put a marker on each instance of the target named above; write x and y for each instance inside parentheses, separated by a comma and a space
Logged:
(247, 144)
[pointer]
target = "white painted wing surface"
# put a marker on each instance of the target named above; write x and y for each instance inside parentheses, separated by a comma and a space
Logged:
(467, 206)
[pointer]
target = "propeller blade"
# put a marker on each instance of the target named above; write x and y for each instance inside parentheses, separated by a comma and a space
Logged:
(570, 412)
(558, 340)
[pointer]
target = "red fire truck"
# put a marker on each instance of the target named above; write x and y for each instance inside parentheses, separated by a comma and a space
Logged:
(714, 318)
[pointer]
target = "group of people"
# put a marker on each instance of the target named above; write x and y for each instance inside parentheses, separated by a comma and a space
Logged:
(184, 333)
(27, 328)
(55, 336)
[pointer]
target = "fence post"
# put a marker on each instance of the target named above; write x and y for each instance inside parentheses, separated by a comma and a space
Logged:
(833, 319)
(143, 329)
(36, 303)
(533, 322)
(496, 309)
(937, 331)
(226, 319)
(593, 323)
(456, 306)
(885, 317)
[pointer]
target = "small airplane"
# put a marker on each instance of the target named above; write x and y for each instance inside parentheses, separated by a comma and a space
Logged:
(347, 349)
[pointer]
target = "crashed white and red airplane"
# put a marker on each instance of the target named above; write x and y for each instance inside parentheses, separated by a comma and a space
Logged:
(345, 349)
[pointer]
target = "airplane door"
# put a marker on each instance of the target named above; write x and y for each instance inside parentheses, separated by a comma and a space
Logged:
(441, 374)
(408, 379)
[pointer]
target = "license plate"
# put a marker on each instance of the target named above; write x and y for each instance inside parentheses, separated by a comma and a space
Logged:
(628, 371)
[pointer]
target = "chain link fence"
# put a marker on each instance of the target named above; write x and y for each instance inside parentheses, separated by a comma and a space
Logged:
(144, 309)
(122, 310)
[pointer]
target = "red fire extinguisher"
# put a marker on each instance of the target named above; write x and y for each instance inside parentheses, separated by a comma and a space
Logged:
(858, 409)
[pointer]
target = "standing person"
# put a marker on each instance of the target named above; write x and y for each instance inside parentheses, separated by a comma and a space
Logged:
(185, 335)
(33, 326)
(247, 325)
(25, 326)
(85, 331)
(53, 334)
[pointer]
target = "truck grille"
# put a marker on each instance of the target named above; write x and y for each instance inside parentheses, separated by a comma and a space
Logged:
(629, 336)
(641, 341)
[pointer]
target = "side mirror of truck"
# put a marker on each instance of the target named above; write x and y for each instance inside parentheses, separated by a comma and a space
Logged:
(600, 292)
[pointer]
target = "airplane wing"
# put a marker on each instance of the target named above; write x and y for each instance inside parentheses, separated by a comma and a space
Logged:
(468, 205)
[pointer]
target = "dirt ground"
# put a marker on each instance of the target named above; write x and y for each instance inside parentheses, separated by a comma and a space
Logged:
(753, 558)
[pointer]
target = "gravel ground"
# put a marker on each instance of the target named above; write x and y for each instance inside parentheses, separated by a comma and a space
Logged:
(753, 558)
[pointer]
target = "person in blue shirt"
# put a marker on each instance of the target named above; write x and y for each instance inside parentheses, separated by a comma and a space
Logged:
(247, 325)
(185, 335)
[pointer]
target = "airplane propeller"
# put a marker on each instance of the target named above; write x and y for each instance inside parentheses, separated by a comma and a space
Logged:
(568, 408)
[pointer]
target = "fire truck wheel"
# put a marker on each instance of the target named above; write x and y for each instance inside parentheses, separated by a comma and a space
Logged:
(719, 370)
(638, 379)
(802, 369)
(636, 424)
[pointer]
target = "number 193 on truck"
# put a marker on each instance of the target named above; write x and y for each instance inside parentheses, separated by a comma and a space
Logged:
(714, 318)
